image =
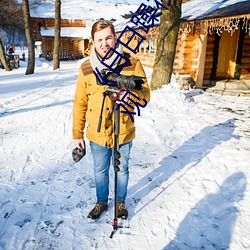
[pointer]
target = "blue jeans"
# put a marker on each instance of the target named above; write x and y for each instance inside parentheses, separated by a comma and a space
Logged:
(102, 158)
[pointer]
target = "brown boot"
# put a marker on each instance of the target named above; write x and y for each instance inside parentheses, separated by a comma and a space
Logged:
(122, 211)
(97, 210)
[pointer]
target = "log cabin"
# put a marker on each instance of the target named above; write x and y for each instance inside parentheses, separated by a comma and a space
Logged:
(77, 19)
(74, 37)
(213, 42)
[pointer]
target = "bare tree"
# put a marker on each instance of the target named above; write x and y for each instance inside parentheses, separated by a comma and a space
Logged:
(3, 57)
(11, 16)
(11, 24)
(56, 59)
(164, 59)
(28, 33)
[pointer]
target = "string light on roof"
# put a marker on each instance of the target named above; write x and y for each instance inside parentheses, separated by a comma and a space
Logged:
(219, 25)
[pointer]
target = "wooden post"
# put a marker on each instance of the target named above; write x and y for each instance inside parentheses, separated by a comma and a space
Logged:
(201, 60)
(140, 49)
(156, 41)
(144, 46)
(149, 45)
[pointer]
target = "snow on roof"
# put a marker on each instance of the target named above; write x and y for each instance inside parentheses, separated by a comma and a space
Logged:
(79, 32)
(200, 9)
(197, 9)
(83, 10)
(108, 9)
(93, 10)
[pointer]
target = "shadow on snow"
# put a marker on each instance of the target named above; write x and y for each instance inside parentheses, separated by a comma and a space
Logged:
(190, 153)
(23, 110)
(210, 223)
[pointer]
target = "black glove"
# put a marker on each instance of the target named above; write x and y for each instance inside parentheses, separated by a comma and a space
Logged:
(78, 153)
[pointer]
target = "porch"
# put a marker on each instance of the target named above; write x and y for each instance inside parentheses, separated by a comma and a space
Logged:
(231, 87)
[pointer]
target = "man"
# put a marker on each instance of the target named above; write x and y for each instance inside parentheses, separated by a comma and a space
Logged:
(87, 107)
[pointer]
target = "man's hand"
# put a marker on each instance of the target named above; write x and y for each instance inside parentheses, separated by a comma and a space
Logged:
(79, 143)
(121, 95)
(79, 151)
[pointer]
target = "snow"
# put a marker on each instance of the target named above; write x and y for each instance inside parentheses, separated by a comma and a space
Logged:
(197, 9)
(81, 32)
(192, 10)
(109, 9)
(86, 10)
(189, 169)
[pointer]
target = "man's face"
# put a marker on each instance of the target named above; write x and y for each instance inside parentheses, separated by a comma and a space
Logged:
(103, 41)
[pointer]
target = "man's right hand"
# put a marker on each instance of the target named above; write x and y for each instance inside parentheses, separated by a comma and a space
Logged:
(79, 143)
(78, 152)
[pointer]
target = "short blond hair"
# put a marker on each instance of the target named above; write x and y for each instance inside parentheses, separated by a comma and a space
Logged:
(100, 25)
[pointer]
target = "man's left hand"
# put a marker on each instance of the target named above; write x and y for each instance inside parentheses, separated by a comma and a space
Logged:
(121, 94)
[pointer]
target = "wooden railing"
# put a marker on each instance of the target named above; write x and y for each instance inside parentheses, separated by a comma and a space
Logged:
(64, 55)
(13, 61)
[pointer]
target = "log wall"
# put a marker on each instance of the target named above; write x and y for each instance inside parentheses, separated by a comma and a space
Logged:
(73, 45)
(50, 22)
(209, 56)
(179, 59)
(245, 60)
(186, 55)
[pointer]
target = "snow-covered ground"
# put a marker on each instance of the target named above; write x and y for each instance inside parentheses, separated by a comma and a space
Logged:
(189, 170)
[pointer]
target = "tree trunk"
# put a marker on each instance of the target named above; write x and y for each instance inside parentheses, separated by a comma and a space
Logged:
(165, 53)
(3, 57)
(29, 38)
(56, 59)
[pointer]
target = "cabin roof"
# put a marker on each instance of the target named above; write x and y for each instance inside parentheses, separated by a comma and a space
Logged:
(209, 9)
(78, 32)
(196, 10)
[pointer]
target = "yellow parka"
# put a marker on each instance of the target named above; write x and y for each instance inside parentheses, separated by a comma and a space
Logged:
(88, 101)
